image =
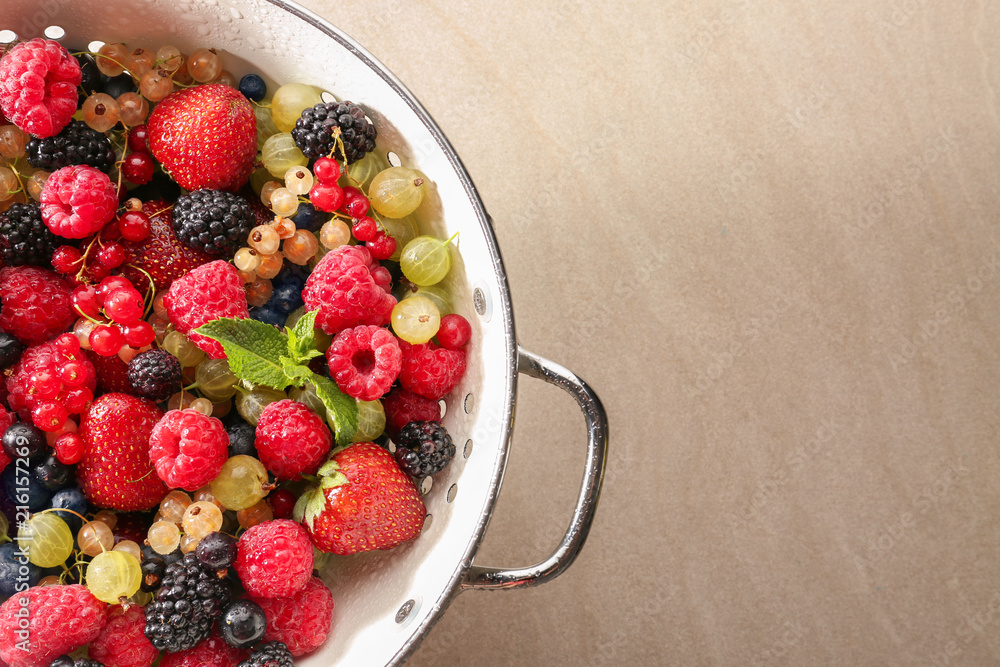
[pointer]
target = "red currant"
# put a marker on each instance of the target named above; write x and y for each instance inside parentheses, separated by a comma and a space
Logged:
(110, 231)
(382, 246)
(138, 168)
(365, 228)
(69, 448)
(139, 334)
(68, 343)
(97, 272)
(282, 501)
(134, 226)
(326, 170)
(454, 331)
(106, 340)
(326, 197)
(355, 203)
(123, 305)
(138, 139)
(111, 284)
(112, 255)
(85, 301)
(76, 399)
(66, 259)
(44, 384)
(49, 415)
(73, 374)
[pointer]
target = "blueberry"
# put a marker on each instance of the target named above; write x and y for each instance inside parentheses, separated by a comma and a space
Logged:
(116, 86)
(253, 87)
(70, 499)
(10, 350)
(11, 562)
(242, 439)
(52, 473)
(216, 551)
(24, 441)
(242, 623)
(309, 217)
(286, 298)
(268, 315)
(90, 75)
(24, 488)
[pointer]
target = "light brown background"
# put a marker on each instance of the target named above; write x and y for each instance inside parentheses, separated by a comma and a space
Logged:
(766, 232)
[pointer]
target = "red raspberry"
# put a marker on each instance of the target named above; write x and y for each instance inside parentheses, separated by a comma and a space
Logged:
(429, 370)
(207, 293)
(77, 201)
(38, 81)
(364, 361)
(122, 642)
(212, 651)
(37, 303)
(51, 374)
(349, 288)
(275, 558)
(60, 620)
(303, 620)
(402, 407)
(188, 449)
(292, 440)
(6, 420)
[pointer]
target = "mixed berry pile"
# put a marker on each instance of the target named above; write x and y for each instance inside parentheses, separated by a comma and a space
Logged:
(224, 343)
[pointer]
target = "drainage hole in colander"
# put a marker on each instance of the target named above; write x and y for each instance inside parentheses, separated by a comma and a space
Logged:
(468, 403)
(327, 96)
(7, 36)
(428, 520)
(95, 46)
(452, 492)
(468, 449)
(406, 611)
(55, 32)
(443, 406)
(482, 301)
(393, 159)
(425, 485)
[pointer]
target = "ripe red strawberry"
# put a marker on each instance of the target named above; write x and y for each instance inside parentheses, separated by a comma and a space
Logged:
(363, 502)
(112, 373)
(161, 254)
(303, 620)
(59, 619)
(207, 293)
(115, 471)
(205, 137)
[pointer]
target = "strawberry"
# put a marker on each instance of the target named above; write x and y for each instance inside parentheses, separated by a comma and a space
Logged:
(161, 254)
(112, 373)
(205, 137)
(363, 502)
(115, 471)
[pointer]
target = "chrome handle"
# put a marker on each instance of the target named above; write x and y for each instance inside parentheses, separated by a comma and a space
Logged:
(492, 578)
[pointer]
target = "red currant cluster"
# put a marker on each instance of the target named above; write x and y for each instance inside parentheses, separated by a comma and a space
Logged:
(116, 307)
(138, 165)
(105, 249)
(327, 196)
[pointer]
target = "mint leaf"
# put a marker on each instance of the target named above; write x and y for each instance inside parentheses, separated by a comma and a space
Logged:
(341, 409)
(302, 338)
(297, 374)
(254, 349)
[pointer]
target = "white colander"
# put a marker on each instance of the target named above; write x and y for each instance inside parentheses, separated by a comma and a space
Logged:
(386, 601)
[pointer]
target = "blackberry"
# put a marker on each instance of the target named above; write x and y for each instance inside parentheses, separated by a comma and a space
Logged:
(186, 606)
(269, 654)
(24, 238)
(67, 661)
(155, 374)
(214, 221)
(77, 143)
(314, 131)
(424, 448)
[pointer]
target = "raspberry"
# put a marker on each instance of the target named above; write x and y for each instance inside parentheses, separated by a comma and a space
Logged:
(207, 293)
(424, 448)
(38, 81)
(77, 201)
(24, 238)
(6, 419)
(349, 288)
(275, 559)
(402, 407)
(211, 651)
(51, 374)
(155, 374)
(364, 361)
(292, 440)
(61, 619)
(122, 642)
(429, 370)
(36, 303)
(188, 449)
(303, 620)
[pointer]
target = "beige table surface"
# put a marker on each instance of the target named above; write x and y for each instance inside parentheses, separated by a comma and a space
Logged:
(766, 232)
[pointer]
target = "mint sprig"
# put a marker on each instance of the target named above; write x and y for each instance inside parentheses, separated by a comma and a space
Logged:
(263, 355)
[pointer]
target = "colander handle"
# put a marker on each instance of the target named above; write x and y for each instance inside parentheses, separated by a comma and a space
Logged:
(492, 578)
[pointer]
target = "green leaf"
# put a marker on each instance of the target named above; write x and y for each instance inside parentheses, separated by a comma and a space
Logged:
(302, 338)
(254, 349)
(297, 374)
(341, 409)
